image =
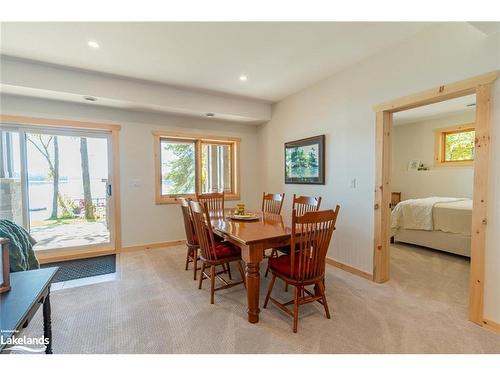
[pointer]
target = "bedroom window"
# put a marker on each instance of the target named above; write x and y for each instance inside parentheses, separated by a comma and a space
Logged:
(186, 165)
(455, 146)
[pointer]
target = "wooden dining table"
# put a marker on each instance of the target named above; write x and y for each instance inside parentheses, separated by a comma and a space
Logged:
(254, 237)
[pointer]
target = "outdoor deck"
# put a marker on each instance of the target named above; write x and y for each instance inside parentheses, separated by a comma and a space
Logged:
(68, 235)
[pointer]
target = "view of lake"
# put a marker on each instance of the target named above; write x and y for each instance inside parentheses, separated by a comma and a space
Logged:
(40, 194)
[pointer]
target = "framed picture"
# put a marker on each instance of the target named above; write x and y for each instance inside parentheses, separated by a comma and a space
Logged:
(413, 165)
(305, 161)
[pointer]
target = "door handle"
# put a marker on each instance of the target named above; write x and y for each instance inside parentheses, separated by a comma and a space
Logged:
(108, 190)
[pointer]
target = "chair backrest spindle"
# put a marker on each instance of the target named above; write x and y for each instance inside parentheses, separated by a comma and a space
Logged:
(272, 203)
(188, 222)
(213, 201)
(203, 230)
(311, 235)
(304, 204)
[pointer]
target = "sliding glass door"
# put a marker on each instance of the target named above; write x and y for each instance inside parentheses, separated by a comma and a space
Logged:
(57, 184)
(11, 188)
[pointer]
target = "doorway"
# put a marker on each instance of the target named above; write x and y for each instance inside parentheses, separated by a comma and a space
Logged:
(481, 86)
(57, 182)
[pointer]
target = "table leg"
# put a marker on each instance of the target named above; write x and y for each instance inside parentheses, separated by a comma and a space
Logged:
(252, 255)
(253, 287)
(47, 324)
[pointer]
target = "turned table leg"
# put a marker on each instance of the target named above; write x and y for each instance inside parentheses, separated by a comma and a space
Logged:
(252, 256)
(253, 287)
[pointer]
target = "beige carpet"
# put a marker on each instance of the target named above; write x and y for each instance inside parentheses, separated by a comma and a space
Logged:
(154, 306)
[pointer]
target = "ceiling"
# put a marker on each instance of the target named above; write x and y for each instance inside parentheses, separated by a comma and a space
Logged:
(278, 58)
(446, 108)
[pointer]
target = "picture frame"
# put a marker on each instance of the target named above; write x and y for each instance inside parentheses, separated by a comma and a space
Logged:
(4, 265)
(305, 161)
(413, 164)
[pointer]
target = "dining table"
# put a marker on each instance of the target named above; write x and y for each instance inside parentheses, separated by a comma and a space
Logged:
(253, 237)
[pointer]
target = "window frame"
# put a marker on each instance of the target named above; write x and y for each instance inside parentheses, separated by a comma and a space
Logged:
(440, 146)
(198, 140)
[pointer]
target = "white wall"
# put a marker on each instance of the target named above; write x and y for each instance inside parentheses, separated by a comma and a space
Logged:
(143, 221)
(416, 141)
(342, 108)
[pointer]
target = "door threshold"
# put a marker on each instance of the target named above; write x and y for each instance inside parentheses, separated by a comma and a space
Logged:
(49, 256)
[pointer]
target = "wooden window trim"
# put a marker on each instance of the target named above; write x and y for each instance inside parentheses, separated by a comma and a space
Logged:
(199, 140)
(114, 130)
(439, 146)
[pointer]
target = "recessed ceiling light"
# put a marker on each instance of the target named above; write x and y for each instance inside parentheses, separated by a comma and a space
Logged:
(210, 114)
(93, 44)
(90, 98)
(243, 78)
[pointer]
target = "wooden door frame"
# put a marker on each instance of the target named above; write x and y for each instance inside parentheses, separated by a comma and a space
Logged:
(481, 86)
(114, 131)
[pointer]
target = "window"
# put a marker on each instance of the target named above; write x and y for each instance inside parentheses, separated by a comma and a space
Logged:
(216, 167)
(178, 167)
(455, 146)
(186, 165)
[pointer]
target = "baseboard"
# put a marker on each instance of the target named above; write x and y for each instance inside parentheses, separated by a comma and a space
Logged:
(491, 325)
(155, 245)
(349, 268)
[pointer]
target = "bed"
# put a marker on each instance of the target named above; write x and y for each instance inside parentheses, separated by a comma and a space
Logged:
(441, 223)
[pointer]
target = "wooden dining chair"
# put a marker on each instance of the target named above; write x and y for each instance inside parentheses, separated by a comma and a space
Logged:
(305, 265)
(191, 240)
(272, 203)
(213, 201)
(302, 205)
(212, 253)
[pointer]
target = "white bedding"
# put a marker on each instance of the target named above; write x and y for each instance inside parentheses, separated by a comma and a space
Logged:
(455, 217)
(417, 214)
(436, 239)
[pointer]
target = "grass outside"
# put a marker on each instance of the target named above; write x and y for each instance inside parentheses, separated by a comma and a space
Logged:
(63, 221)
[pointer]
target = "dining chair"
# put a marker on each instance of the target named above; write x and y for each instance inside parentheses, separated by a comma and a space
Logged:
(213, 253)
(302, 205)
(272, 203)
(305, 265)
(213, 201)
(191, 240)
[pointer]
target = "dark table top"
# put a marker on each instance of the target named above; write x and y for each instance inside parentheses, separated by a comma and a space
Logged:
(26, 290)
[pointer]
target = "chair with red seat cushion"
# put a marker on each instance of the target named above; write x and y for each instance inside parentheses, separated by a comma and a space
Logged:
(226, 250)
(305, 265)
(212, 253)
(282, 264)
(191, 239)
(302, 205)
(213, 201)
(272, 203)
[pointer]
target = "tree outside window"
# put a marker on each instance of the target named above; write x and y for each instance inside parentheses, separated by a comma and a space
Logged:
(459, 146)
(190, 166)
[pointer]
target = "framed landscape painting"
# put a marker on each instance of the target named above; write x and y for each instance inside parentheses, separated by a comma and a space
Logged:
(305, 161)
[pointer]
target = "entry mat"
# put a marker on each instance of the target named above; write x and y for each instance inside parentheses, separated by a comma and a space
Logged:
(80, 268)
